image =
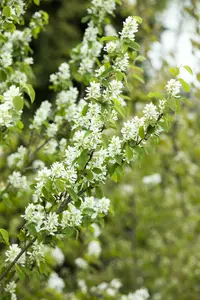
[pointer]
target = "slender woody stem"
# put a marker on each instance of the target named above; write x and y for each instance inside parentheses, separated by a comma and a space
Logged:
(16, 258)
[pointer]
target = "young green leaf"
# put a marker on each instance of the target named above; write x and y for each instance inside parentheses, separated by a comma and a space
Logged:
(18, 102)
(187, 68)
(4, 236)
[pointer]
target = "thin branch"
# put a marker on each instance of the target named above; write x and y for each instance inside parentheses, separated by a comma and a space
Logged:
(31, 242)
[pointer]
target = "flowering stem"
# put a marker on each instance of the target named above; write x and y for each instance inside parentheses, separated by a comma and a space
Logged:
(31, 242)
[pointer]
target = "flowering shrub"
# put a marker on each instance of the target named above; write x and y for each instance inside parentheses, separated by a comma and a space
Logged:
(70, 147)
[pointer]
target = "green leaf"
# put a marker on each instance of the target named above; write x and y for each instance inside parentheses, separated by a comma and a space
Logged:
(109, 38)
(20, 272)
(31, 229)
(175, 71)
(45, 192)
(99, 192)
(60, 185)
(141, 132)
(83, 159)
(133, 45)
(3, 75)
(4, 236)
(85, 19)
(140, 58)
(30, 91)
(97, 170)
(138, 19)
(106, 72)
(72, 194)
(7, 11)
(18, 102)
(185, 85)
(139, 78)
(129, 152)
(20, 125)
(37, 2)
(155, 95)
(188, 69)
(85, 110)
(89, 175)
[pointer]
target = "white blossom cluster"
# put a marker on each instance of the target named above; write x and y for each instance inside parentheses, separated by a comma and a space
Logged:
(130, 27)
(141, 294)
(17, 159)
(41, 115)
(11, 288)
(14, 51)
(173, 87)
(110, 289)
(56, 282)
(35, 214)
(101, 8)
(18, 181)
(90, 49)
(8, 113)
(12, 252)
(152, 179)
(94, 248)
(62, 76)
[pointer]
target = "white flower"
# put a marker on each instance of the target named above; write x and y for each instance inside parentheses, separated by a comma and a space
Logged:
(12, 252)
(97, 205)
(17, 158)
(150, 112)
(67, 97)
(51, 223)
(173, 87)
(52, 130)
(38, 164)
(130, 27)
(93, 91)
(96, 230)
(162, 104)
(114, 147)
(6, 59)
(115, 88)
(99, 71)
(131, 128)
(81, 263)
(110, 30)
(86, 65)
(50, 147)
(121, 64)
(37, 253)
(11, 288)
(112, 47)
(12, 92)
(90, 33)
(58, 255)
(82, 286)
(18, 181)
(58, 170)
(41, 115)
(55, 282)
(141, 294)
(152, 179)
(111, 292)
(34, 213)
(71, 218)
(28, 60)
(62, 75)
(116, 283)
(94, 249)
